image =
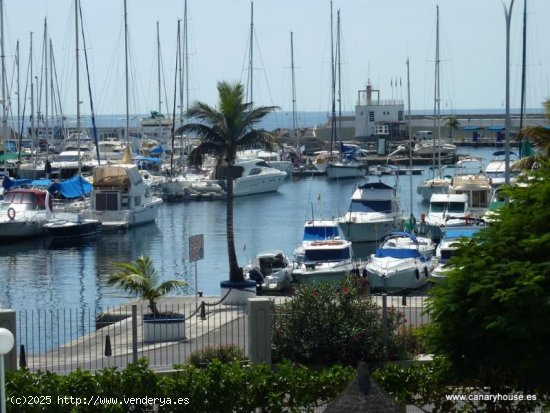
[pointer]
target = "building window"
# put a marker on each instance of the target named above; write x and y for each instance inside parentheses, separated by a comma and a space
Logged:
(399, 115)
(371, 116)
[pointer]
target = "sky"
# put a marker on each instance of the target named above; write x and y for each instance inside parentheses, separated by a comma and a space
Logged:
(376, 38)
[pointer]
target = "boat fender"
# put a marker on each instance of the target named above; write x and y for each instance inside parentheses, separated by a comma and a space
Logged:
(11, 213)
(417, 273)
(426, 272)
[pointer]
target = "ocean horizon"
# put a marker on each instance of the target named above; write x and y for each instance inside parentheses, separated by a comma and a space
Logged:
(275, 120)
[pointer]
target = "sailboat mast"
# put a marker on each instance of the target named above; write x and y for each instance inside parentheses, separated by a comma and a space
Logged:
(158, 70)
(523, 65)
(410, 133)
(438, 94)
(296, 142)
(77, 86)
(32, 110)
(251, 61)
(186, 55)
(18, 85)
(180, 77)
(4, 116)
(46, 85)
(333, 85)
(339, 62)
(126, 74)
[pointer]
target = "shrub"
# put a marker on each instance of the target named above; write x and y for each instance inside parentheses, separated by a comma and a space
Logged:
(337, 323)
(219, 388)
(224, 353)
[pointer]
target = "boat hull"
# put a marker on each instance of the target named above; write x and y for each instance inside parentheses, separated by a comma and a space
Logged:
(258, 184)
(368, 231)
(392, 275)
(345, 171)
(68, 229)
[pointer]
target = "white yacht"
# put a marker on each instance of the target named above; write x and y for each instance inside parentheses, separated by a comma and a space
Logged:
(69, 162)
(120, 197)
(317, 230)
(374, 212)
(326, 260)
(495, 169)
(427, 148)
(402, 262)
(255, 177)
(445, 210)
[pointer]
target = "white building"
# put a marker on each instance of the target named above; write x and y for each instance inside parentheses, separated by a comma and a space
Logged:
(370, 113)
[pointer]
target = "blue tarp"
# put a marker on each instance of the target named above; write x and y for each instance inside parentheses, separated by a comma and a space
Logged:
(459, 233)
(471, 128)
(146, 159)
(496, 128)
(397, 253)
(8, 183)
(41, 182)
(74, 187)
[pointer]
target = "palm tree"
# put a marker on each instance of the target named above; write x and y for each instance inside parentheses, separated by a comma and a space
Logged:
(539, 137)
(143, 280)
(223, 131)
(452, 123)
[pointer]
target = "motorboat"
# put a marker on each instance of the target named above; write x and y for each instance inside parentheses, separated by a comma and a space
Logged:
(427, 148)
(70, 162)
(72, 226)
(400, 263)
(272, 271)
(255, 176)
(374, 212)
(316, 230)
(327, 260)
(157, 127)
(432, 186)
(445, 210)
(120, 198)
(449, 242)
(23, 212)
(496, 168)
(471, 180)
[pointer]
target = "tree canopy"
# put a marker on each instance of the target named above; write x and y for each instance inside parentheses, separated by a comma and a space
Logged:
(490, 317)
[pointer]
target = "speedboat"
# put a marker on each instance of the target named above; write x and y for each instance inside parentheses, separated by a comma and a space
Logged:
(327, 260)
(445, 210)
(402, 262)
(449, 242)
(120, 198)
(374, 212)
(256, 177)
(271, 270)
(495, 169)
(427, 148)
(23, 212)
(72, 226)
(317, 230)
(347, 166)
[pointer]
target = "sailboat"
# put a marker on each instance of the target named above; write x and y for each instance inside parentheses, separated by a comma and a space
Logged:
(347, 166)
(437, 184)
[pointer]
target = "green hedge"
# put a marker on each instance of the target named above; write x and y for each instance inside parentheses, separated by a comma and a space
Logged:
(337, 322)
(219, 387)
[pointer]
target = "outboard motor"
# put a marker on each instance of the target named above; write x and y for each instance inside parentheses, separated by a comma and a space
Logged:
(256, 275)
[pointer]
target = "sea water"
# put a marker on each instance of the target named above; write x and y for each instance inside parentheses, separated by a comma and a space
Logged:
(44, 274)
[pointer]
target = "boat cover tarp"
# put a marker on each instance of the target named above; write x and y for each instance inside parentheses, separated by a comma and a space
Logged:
(41, 182)
(8, 183)
(146, 159)
(74, 187)
(459, 233)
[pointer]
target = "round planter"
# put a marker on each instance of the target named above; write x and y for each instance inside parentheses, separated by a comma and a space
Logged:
(240, 292)
(166, 327)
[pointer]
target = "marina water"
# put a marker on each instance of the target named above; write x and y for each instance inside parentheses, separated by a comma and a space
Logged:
(43, 274)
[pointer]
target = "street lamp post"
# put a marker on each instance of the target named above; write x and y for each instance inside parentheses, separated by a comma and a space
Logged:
(6, 344)
(508, 17)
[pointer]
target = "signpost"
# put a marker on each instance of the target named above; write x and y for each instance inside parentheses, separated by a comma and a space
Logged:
(196, 253)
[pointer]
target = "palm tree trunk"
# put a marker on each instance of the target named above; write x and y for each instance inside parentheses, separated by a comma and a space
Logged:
(235, 272)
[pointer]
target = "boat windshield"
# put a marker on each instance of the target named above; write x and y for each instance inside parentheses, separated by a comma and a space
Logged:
(370, 206)
(320, 233)
(325, 255)
(437, 206)
(456, 207)
(450, 207)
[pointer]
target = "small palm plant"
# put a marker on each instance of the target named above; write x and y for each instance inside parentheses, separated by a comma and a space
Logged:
(143, 280)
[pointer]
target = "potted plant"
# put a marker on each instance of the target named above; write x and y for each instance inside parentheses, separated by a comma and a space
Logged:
(223, 131)
(141, 279)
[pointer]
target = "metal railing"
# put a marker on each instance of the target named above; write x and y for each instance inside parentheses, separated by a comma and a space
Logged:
(62, 340)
